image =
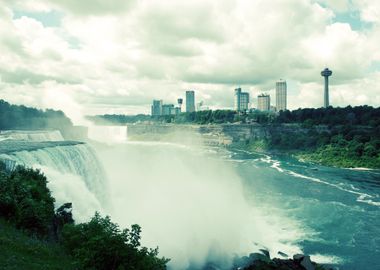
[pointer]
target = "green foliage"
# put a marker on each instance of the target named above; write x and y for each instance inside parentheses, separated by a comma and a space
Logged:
(117, 119)
(360, 115)
(21, 251)
(100, 244)
(26, 201)
(22, 117)
(199, 117)
(354, 154)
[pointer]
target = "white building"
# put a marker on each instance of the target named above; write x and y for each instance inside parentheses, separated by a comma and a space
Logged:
(263, 102)
(281, 95)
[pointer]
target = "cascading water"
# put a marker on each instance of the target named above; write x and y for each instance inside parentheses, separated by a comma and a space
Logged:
(74, 174)
(34, 136)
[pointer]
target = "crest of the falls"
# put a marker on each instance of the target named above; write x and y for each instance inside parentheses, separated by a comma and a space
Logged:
(74, 174)
(34, 136)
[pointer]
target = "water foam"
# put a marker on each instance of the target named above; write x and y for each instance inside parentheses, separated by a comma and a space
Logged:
(361, 196)
(74, 174)
(33, 136)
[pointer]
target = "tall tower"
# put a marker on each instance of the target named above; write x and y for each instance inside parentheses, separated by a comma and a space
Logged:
(190, 101)
(281, 95)
(326, 73)
(180, 102)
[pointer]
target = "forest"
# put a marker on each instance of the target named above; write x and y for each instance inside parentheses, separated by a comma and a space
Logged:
(22, 117)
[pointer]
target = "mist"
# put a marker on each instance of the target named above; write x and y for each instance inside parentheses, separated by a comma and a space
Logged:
(188, 201)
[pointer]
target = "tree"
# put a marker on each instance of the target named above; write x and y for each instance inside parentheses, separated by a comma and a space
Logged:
(26, 201)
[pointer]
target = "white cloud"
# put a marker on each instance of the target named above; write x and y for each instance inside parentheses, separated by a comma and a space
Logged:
(120, 60)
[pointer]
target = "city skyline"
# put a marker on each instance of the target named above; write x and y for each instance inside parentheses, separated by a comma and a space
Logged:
(52, 58)
(242, 101)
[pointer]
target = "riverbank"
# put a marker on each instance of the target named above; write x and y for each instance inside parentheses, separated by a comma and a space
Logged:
(328, 155)
(338, 157)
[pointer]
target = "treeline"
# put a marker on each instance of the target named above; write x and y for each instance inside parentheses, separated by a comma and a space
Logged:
(117, 119)
(360, 115)
(343, 146)
(22, 117)
(200, 117)
(343, 137)
(27, 204)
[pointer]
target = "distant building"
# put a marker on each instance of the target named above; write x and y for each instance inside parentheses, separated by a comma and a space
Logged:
(281, 90)
(157, 108)
(167, 109)
(263, 102)
(241, 100)
(190, 101)
(175, 111)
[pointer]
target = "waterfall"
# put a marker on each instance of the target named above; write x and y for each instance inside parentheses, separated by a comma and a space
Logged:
(74, 174)
(34, 136)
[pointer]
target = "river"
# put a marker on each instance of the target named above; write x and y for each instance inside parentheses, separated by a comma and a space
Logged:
(338, 210)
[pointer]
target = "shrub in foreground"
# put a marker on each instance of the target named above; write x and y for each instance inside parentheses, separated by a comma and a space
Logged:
(26, 201)
(100, 244)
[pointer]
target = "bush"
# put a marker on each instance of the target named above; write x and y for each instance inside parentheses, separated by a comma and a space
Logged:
(26, 200)
(101, 245)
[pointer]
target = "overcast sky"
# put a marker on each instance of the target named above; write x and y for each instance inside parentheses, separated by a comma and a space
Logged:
(115, 56)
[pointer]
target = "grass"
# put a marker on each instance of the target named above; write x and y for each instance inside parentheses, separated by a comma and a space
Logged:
(18, 251)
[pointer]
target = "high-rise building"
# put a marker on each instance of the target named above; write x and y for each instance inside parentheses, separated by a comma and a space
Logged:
(263, 102)
(281, 95)
(190, 101)
(241, 100)
(157, 108)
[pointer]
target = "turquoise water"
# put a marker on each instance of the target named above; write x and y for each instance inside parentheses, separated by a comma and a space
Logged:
(338, 209)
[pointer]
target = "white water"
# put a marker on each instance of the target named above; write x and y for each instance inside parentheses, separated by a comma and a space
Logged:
(34, 136)
(362, 197)
(74, 174)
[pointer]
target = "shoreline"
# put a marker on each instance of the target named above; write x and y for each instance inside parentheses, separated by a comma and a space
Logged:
(302, 156)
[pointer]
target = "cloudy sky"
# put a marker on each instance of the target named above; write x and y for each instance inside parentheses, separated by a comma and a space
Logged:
(115, 56)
